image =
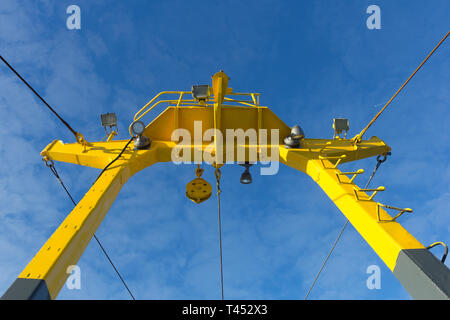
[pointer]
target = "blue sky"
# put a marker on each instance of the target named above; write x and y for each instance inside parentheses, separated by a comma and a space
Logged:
(311, 60)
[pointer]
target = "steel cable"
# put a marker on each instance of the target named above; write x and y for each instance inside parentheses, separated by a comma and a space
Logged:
(42, 99)
(360, 135)
(51, 165)
(379, 162)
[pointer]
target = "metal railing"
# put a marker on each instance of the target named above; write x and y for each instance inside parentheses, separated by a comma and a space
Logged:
(180, 101)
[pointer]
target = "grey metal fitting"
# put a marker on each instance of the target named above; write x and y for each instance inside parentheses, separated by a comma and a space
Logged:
(141, 143)
(295, 138)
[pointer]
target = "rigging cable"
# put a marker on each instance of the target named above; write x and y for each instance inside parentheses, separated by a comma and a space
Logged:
(42, 99)
(217, 173)
(360, 135)
(53, 169)
(50, 164)
(118, 156)
(379, 162)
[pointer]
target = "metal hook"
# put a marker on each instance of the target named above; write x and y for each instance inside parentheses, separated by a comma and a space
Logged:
(381, 160)
(49, 163)
(218, 174)
(384, 157)
(198, 171)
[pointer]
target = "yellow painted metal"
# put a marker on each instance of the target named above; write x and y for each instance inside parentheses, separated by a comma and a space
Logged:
(219, 88)
(198, 190)
(99, 154)
(220, 85)
(319, 158)
(96, 155)
(231, 117)
(69, 241)
(111, 136)
(387, 239)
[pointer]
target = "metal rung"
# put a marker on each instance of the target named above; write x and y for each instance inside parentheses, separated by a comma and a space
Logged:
(323, 148)
(375, 191)
(354, 173)
(394, 208)
(339, 159)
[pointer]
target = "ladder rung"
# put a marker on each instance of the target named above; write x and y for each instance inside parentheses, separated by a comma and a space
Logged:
(332, 157)
(354, 173)
(339, 159)
(402, 210)
(375, 191)
(324, 147)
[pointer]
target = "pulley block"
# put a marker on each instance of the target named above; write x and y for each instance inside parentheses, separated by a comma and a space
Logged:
(198, 190)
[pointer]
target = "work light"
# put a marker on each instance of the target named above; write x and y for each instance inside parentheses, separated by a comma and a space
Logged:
(109, 120)
(137, 127)
(246, 177)
(141, 142)
(201, 92)
(340, 125)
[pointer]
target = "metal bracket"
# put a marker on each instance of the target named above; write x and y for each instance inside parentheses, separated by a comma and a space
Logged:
(375, 191)
(355, 173)
(390, 207)
(338, 158)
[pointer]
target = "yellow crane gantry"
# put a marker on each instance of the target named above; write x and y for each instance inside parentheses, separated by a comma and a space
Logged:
(419, 271)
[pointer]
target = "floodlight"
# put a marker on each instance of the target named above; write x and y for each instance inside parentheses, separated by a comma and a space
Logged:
(297, 132)
(109, 120)
(340, 125)
(294, 139)
(201, 92)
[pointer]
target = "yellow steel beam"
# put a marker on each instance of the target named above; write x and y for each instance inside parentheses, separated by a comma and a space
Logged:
(98, 156)
(417, 269)
(319, 158)
(68, 242)
(386, 238)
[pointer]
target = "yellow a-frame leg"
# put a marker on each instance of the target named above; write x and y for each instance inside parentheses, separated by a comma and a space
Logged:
(45, 275)
(422, 275)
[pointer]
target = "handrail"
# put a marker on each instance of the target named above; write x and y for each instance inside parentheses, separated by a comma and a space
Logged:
(254, 102)
(136, 116)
